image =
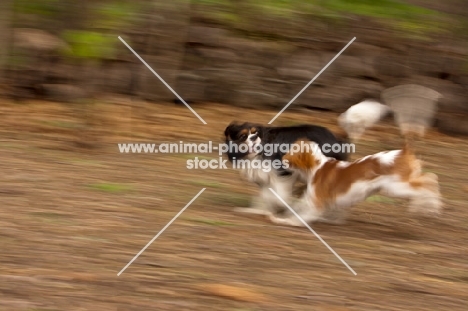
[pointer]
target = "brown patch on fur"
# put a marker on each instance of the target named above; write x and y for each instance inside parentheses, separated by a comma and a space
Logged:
(243, 132)
(301, 160)
(342, 135)
(429, 181)
(331, 180)
(253, 130)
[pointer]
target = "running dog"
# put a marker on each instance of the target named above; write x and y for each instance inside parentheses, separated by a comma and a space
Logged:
(256, 138)
(334, 186)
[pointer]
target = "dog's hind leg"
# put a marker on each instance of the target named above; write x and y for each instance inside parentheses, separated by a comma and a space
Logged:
(422, 191)
(427, 200)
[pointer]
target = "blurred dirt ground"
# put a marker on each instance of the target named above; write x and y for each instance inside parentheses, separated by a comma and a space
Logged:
(72, 218)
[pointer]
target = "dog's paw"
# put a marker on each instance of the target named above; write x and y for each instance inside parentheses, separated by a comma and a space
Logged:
(333, 221)
(250, 210)
(428, 206)
(284, 221)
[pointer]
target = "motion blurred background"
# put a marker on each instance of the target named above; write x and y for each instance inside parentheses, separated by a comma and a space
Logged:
(75, 211)
(255, 54)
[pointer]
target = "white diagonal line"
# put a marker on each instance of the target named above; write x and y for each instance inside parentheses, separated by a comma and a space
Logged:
(312, 230)
(311, 81)
(160, 232)
(167, 85)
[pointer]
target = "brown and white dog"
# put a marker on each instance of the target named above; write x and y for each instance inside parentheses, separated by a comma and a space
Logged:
(280, 179)
(334, 186)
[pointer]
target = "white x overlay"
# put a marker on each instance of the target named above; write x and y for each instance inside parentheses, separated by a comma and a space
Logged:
(313, 79)
(160, 232)
(312, 230)
(203, 121)
(162, 80)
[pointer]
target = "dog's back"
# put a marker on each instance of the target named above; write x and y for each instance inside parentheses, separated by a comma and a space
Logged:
(319, 134)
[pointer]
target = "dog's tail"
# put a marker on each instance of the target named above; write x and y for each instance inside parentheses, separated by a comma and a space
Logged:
(414, 108)
(411, 132)
(358, 118)
(408, 145)
(411, 137)
(342, 135)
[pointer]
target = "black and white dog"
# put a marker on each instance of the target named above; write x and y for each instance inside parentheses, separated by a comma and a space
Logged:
(248, 142)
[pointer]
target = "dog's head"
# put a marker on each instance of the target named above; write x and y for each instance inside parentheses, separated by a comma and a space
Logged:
(242, 139)
(304, 155)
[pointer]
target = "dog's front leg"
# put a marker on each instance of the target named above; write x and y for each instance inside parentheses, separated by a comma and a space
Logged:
(259, 204)
(294, 221)
(336, 216)
(283, 188)
(307, 214)
(268, 203)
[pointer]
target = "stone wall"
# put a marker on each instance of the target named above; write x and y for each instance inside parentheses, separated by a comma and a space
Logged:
(263, 63)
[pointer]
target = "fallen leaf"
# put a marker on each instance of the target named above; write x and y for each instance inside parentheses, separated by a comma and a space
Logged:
(234, 292)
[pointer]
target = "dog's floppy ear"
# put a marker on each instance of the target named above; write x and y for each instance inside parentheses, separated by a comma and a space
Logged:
(229, 129)
(302, 159)
(259, 131)
(227, 133)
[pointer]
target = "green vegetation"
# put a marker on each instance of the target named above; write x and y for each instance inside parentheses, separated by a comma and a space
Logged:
(48, 214)
(378, 8)
(409, 20)
(206, 183)
(40, 7)
(210, 222)
(89, 44)
(380, 199)
(228, 199)
(93, 44)
(414, 20)
(105, 16)
(116, 14)
(109, 187)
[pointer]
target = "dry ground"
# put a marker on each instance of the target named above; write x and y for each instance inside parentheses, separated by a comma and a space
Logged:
(71, 219)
